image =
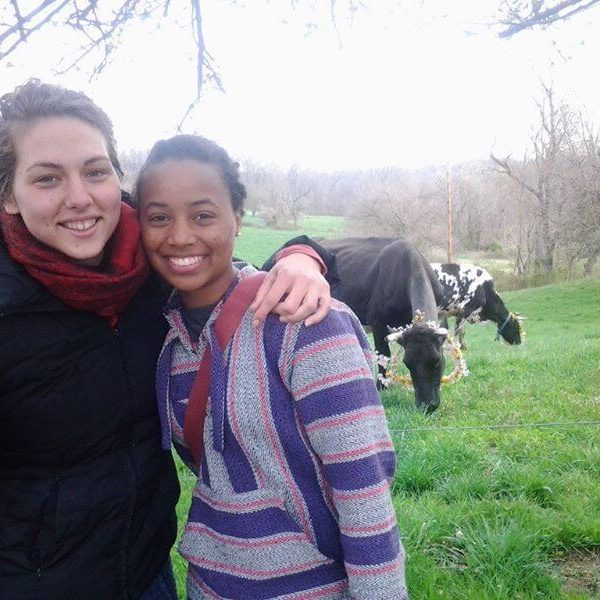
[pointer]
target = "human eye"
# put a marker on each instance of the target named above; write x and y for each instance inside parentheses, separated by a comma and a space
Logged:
(46, 180)
(97, 173)
(157, 219)
(203, 217)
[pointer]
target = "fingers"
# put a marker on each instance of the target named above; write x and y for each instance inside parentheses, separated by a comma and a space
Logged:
(322, 310)
(300, 303)
(268, 296)
(294, 295)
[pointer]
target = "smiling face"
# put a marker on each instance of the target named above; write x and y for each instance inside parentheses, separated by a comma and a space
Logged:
(65, 187)
(188, 228)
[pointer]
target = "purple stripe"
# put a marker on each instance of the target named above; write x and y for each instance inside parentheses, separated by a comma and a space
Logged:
(181, 386)
(238, 467)
(304, 471)
(372, 550)
(361, 473)
(260, 523)
(230, 586)
(337, 400)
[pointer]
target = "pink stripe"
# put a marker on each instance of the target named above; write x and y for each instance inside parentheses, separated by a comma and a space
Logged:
(362, 494)
(185, 367)
(370, 528)
(242, 506)
(363, 373)
(169, 338)
(371, 570)
(346, 419)
(278, 538)
(179, 326)
(268, 573)
(325, 345)
(275, 444)
(364, 450)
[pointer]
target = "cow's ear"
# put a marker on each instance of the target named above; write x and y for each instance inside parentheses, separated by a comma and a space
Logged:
(441, 332)
(395, 335)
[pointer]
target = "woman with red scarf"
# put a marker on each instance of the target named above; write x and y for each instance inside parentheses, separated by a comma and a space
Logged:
(87, 496)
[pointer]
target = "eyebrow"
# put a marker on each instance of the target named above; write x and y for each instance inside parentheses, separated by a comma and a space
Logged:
(157, 204)
(51, 165)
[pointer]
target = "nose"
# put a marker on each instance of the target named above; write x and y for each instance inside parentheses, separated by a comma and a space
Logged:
(180, 234)
(77, 195)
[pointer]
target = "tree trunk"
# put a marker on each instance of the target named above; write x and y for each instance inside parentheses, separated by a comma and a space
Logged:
(588, 266)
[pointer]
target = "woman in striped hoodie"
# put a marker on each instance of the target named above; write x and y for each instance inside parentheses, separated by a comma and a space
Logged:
(292, 451)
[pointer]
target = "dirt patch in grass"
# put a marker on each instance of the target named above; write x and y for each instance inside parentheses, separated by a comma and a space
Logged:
(580, 571)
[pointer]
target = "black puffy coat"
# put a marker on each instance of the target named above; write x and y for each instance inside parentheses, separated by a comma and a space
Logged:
(87, 495)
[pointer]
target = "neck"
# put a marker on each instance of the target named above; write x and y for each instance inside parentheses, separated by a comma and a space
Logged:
(209, 293)
(496, 312)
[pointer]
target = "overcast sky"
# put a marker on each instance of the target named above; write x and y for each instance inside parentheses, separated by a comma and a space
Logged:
(426, 83)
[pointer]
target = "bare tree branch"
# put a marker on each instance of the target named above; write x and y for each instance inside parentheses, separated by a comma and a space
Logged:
(24, 33)
(505, 168)
(539, 14)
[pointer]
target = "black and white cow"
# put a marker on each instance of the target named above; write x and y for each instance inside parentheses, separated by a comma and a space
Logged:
(469, 296)
(385, 281)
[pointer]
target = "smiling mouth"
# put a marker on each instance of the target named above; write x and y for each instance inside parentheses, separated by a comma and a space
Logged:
(83, 225)
(184, 261)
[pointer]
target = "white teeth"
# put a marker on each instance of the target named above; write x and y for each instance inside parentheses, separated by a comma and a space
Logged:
(184, 261)
(80, 225)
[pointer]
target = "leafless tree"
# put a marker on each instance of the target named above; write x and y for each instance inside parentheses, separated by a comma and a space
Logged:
(562, 179)
(398, 203)
(541, 175)
(100, 24)
(296, 186)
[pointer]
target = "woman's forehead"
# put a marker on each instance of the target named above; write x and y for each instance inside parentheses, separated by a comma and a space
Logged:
(58, 139)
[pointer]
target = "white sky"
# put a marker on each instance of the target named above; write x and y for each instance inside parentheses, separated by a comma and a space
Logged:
(398, 87)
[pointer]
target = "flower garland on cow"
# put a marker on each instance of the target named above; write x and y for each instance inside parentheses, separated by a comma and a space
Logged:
(392, 364)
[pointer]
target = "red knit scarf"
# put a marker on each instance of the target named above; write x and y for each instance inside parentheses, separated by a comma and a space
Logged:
(105, 290)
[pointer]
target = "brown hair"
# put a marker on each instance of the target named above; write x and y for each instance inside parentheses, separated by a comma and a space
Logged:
(36, 100)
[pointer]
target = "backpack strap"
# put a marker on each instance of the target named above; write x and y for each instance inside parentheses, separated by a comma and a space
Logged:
(225, 326)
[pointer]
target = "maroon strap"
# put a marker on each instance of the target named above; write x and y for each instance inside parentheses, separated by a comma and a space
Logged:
(225, 325)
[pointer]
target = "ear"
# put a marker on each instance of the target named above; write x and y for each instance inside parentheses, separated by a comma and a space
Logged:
(238, 224)
(10, 205)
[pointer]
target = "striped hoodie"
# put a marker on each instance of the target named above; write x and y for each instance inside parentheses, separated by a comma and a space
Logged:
(292, 499)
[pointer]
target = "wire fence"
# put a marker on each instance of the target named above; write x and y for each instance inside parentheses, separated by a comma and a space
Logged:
(563, 425)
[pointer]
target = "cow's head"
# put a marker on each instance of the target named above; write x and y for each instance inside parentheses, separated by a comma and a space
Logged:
(511, 328)
(424, 358)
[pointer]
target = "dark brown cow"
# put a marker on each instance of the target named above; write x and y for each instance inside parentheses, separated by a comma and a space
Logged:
(385, 281)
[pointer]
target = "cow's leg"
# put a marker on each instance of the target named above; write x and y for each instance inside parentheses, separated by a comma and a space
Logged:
(380, 332)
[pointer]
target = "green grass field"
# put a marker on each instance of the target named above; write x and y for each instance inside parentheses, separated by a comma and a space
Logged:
(498, 492)
(257, 243)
